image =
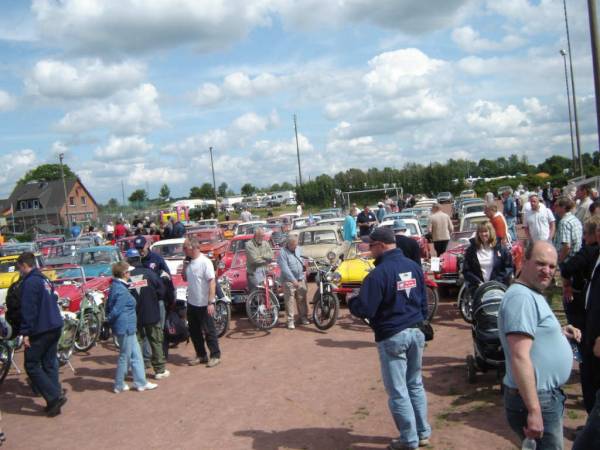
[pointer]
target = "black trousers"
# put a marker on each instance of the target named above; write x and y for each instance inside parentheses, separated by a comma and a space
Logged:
(202, 328)
(590, 379)
(440, 247)
(41, 364)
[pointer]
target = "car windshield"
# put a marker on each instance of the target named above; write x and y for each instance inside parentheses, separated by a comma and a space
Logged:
(206, 238)
(68, 275)
(239, 259)
(412, 229)
(474, 208)
(98, 257)
(48, 243)
(318, 237)
(472, 223)
(16, 249)
(169, 251)
(8, 267)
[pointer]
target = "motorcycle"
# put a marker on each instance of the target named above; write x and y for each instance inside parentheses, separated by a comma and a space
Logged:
(66, 343)
(431, 290)
(222, 315)
(89, 320)
(326, 304)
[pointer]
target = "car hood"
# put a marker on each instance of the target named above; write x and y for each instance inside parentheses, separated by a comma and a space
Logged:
(320, 251)
(97, 270)
(8, 278)
(354, 270)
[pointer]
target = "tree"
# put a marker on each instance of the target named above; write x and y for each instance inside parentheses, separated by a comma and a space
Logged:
(286, 186)
(112, 203)
(248, 189)
(46, 172)
(139, 195)
(204, 191)
(222, 189)
(165, 192)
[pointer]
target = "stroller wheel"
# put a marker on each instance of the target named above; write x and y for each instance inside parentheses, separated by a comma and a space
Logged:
(471, 369)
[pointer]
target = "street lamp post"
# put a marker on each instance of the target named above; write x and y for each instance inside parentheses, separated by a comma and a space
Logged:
(212, 165)
(564, 55)
(62, 175)
(573, 91)
(596, 59)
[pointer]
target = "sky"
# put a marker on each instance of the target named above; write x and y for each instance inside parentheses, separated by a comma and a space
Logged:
(136, 91)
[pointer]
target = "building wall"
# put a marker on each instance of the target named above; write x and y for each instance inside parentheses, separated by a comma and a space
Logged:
(81, 206)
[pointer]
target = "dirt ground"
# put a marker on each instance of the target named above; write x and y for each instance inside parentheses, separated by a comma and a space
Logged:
(301, 389)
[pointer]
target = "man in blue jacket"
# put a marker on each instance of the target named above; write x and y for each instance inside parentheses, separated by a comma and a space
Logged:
(41, 325)
(393, 298)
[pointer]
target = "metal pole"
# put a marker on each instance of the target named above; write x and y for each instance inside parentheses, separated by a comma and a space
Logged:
(212, 165)
(564, 55)
(596, 59)
(123, 192)
(298, 151)
(573, 91)
(62, 175)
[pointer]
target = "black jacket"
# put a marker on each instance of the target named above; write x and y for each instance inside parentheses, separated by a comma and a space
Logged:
(578, 268)
(147, 289)
(592, 318)
(502, 268)
(409, 247)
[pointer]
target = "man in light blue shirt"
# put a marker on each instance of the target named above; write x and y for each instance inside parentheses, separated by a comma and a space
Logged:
(538, 355)
(350, 225)
(294, 282)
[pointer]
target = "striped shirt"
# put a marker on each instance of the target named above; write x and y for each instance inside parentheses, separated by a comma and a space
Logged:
(570, 232)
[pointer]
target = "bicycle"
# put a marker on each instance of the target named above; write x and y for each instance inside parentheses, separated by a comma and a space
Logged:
(262, 305)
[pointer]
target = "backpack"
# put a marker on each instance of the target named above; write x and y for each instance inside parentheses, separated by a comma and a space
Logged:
(13, 308)
(176, 329)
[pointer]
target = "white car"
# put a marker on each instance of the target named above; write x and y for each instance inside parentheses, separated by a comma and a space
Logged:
(412, 226)
(249, 227)
(469, 222)
(172, 251)
(337, 221)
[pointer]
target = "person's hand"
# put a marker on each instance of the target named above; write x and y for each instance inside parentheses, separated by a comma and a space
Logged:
(596, 348)
(572, 333)
(296, 283)
(535, 425)
(26, 341)
(211, 309)
(567, 292)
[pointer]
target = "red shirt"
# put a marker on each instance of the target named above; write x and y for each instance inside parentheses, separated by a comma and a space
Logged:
(120, 231)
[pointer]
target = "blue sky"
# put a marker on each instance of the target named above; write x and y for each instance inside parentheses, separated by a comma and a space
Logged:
(138, 93)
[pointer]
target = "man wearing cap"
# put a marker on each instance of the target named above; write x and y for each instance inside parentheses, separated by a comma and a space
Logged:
(409, 246)
(393, 298)
(440, 227)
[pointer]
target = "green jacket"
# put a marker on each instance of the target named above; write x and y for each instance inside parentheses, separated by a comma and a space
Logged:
(257, 255)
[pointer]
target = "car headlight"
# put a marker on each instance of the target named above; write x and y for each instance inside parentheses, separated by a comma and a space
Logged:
(64, 302)
(331, 256)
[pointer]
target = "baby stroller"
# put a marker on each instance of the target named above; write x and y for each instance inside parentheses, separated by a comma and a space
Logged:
(488, 352)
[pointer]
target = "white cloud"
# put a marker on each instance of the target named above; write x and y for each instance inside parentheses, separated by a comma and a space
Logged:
(14, 165)
(127, 112)
(7, 101)
(124, 148)
(239, 85)
(494, 119)
(81, 79)
(123, 26)
(470, 41)
(208, 94)
(59, 147)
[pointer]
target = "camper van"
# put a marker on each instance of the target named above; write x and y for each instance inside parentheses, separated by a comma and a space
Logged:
(282, 198)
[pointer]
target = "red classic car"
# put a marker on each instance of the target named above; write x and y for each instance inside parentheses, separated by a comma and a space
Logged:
(236, 244)
(71, 285)
(126, 243)
(212, 242)
(451, 260)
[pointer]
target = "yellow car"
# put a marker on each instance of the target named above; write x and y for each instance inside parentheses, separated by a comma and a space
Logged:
(9, 273)
(356, 265)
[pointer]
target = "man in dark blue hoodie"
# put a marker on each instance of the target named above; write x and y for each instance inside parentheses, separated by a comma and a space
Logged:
(393, 298)
(41, 325)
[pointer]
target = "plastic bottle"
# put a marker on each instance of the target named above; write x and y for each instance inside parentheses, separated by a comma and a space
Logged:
(528, 444)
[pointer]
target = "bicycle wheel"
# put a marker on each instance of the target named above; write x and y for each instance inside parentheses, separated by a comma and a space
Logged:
(260, 315)
(464, 303)
(6, 356)
(432, 302)
(88, 332)
(325, 310)
(222, 317)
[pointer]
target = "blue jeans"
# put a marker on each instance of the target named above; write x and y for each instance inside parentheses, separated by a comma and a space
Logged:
(590, 435)
(552, 403)
(41, 364)
(130, 354)
(511, 223)
(401, 357)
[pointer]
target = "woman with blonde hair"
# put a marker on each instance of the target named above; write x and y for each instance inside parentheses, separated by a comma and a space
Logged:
(486, 259)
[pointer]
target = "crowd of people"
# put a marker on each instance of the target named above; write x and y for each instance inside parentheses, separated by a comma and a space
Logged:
(562, 233)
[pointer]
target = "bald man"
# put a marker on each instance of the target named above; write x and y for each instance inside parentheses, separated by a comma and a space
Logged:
(259, 255)
(538, 355)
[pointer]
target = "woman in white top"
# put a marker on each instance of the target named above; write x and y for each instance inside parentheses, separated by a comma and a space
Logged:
(485, 259)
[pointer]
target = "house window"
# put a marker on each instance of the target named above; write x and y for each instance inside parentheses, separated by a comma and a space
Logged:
(36, 204)
(23, 204)
(71, 201)
(83, 201)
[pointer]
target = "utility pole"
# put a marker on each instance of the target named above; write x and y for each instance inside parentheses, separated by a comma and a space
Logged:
(596, 60)
(212, 165)
(564, 55)
(123, 192)
(573, 91)
(298, 151)
(62, 175)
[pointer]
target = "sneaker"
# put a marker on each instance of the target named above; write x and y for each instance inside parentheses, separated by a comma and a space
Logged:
(198, 361)
(213, 362)
(291, 325)
(164, 374)
(54, 408)
(424, 442)
(397, 444)
(147, 387)
(305, 321)
(125, 388)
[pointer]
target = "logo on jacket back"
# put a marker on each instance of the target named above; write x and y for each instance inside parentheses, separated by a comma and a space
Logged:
(406, 282)
(138, 282)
